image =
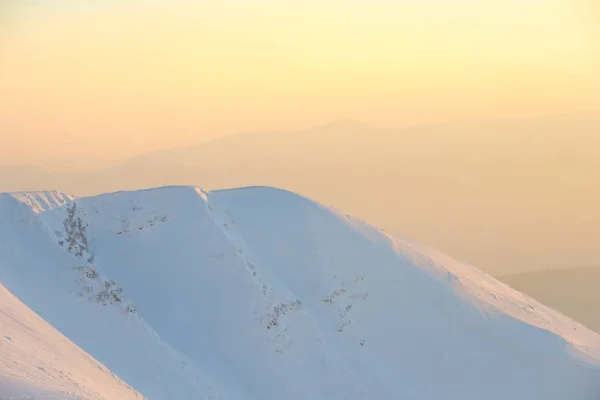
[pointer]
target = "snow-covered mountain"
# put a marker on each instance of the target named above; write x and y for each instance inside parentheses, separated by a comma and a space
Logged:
(258, 293)
(37, 362)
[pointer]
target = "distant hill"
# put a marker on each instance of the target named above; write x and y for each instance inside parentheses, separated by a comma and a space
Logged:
(573, 292)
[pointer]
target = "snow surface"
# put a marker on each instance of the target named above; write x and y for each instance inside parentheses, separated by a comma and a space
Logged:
(37, 362)
(258, 293)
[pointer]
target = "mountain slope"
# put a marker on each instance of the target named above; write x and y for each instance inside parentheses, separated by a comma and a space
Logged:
(91, 310)
(37, 362)
(269, 295)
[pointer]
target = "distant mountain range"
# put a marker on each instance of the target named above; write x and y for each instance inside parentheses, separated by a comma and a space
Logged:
(259, 293)
(507, 195)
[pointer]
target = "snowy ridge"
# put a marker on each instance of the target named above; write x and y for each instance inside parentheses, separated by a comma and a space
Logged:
(494, 296)
(259, 293)
(43, 201)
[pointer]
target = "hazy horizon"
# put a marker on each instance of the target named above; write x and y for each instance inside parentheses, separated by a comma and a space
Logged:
(478, 122)
(96, 82)
(81, 160)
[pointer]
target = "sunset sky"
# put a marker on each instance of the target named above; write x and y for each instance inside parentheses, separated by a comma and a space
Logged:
(102, 80)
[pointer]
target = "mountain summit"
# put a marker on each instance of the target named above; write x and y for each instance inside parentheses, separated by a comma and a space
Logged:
(259, 293)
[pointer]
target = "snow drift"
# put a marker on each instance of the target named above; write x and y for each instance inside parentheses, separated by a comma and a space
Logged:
(258, 293)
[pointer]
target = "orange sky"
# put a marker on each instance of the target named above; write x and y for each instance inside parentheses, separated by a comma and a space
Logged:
(101, 80)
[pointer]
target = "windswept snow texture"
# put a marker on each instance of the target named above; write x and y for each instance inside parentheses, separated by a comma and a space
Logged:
(37, 362)
(259, 293)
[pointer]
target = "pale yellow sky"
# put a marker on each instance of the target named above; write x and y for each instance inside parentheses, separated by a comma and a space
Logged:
(100, 80)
